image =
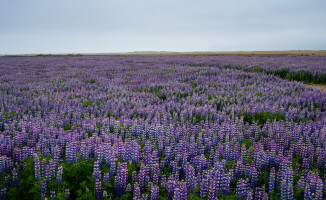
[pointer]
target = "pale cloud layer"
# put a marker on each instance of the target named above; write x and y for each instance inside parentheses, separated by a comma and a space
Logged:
(102, 26)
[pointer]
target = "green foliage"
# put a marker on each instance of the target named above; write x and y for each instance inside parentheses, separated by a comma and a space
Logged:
(125, 197)
(68, 127)
(299, 193)
(91, 81)
(111, 114)
(5, 115)
(198, 118)
(87, 104)
(261, 118)
(156, 89)
(257, 69)
(246, 142)
(306, 77)
(161, 96)
(282, 72)
(231, 196)
(193, 85)
(229, 164)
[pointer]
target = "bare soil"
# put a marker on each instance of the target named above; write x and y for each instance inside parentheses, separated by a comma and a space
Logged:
(322, 87)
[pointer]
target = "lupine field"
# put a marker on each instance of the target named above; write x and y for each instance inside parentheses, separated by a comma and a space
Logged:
(162, 127)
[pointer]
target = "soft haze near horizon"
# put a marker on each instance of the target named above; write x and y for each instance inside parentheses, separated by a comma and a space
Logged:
(105, 26)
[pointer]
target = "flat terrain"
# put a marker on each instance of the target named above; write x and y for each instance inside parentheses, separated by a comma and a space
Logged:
(162, 127)
(241, 53)
(210, 53)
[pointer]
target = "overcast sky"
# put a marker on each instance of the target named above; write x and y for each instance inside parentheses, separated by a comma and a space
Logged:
(103, 26)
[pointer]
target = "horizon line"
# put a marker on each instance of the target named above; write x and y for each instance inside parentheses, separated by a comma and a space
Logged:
(176, 53)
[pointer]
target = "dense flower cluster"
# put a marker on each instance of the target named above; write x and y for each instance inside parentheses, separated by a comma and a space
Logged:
(212, 127)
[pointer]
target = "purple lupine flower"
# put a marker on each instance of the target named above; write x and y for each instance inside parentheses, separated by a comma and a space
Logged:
(301, 183)
(123, 173)
(305, 166)
(307, 193)
(14, 178)
(43, 189)
(319, 189)
(163, 181)
(98, 189)
(128, 188)
(121, 179)
(43, 168)
(211, 191)
(203, 188)
(134, 177)
(254, 177)
(52, 194)
(96, 170)
(242, 188)
(271, 183)
(226, 182)
(287, 184)
(239, 169)
(106, 177)
(136, 194)
(144, 197)
(37, 170)
(190, 177)
(261, 194)
(320, 157)
(154, 192)
(113, 165)
(243, 153)
(141, 178)
(176, 194)
(7, 181)
(284, 190)
(56, 156)
(155, 174)
(3, 194)
(149, 186)
(290, 192)
(71, 151)
(59, 176)
(171, 184)
(67, 193)
(183, 190)
(250, 195)
(84, 151)
(47, 173)
(52, 167)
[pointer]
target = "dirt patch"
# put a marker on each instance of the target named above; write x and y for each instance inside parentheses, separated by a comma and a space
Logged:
(322, 87)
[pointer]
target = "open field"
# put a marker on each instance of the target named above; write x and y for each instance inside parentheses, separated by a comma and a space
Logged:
(237, 53)
(221, 53)
(163, 127)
